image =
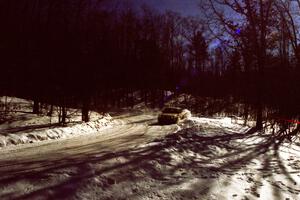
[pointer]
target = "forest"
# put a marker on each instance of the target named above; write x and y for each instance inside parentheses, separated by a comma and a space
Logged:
(131, 101)
(76, 53)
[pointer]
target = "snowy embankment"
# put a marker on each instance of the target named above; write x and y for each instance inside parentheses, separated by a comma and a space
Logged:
(217, 158)
(23, 127)
(55, 133)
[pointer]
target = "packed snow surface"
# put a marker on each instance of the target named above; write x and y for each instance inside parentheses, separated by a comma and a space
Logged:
(136, 159)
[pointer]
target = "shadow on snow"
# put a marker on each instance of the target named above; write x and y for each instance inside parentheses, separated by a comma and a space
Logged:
(155, 161)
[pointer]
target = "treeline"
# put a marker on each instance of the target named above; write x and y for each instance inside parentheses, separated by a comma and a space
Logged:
(68, 52)
(75, 53)
(262, 38)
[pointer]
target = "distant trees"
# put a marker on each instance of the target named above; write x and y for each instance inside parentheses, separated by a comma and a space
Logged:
(74, 53)
(67, 51)
(262, 43)
(288, 13)
(251, 27)
(198, 51)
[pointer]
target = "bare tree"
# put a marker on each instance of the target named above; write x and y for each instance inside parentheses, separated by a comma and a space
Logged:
(288, 13)
(255, 17)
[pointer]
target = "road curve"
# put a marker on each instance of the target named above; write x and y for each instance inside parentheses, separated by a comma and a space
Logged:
(129, 132)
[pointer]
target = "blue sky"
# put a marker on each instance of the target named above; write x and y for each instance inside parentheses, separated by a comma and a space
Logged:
(185, 7)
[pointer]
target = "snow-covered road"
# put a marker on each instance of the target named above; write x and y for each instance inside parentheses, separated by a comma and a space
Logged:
(204, 158)
(28, 161)
(128, 132)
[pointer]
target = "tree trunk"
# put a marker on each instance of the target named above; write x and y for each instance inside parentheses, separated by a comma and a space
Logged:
(85, 109)
(62, 112)
(50, 113)
(153, 98)
(162, 99)
(64, 115)
(145, 97)
(36, 107)
(259, 124)
(246, 113)
(5, 106)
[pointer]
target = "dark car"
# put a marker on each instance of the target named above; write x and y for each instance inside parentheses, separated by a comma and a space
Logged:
(173, 115)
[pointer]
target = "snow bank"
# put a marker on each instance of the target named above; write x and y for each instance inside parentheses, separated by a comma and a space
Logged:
(21, 126)
(56, 133)
(228, 124)
(211, 155)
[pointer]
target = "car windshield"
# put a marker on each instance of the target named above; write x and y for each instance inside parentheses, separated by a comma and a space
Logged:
(172, 110)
